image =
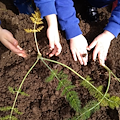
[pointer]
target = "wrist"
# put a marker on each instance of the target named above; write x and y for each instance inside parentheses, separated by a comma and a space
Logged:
(51, 20)
(109, 34)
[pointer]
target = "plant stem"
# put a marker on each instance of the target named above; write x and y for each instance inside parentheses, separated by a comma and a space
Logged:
(73, 72)
(21, 86)
(36, 40)
(54, 73)
(111, 72)
(101, 99)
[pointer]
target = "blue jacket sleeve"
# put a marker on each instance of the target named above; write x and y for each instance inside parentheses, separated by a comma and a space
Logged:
(46, 7)
(113, 25)
(67, 18)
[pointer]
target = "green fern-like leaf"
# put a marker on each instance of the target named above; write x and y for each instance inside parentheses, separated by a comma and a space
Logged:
(74, 101)
(86, 111)
(67, 89)
(115, 103)
(17, 111)
(8, 117)
(24, 94)
(14, 91)
(51, 76)
(62, 75)
(63, 83)
(91, 90)
(111, 101)
(7, 108)
(11, 90)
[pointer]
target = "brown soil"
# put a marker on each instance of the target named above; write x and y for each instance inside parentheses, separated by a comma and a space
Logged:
(45, 103)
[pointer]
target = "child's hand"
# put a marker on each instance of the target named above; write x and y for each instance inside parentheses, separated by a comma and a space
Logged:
(101, 44)
(10, 42)
(54, 44)
(53, 35)
(78, 47)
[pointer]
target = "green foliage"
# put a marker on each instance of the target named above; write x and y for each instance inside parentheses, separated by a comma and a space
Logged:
(8, 117)
(11, 117)
(51, 76)
(14, 91)
(67, 89)
(111, 101)
(91, 90)
(9, 108)
(87, 111)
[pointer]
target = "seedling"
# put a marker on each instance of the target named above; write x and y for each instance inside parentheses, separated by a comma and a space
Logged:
(68, 91)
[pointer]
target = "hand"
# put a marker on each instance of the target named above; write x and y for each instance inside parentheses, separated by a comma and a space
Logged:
(54, 44)
(101, 44)
(78, 47)
(10, 42)
(53, 35)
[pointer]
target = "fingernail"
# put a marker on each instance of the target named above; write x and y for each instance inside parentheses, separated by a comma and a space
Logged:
(51, 48)
(22, 55)
(50, 55)
(19, 47)
(75, 59)
(88, 49)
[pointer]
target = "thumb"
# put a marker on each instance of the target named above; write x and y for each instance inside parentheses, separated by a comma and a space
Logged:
(59, 48)
(92, 45)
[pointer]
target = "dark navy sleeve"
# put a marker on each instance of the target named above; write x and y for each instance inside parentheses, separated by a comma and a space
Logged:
(46, 7)
(0, 22)
(113, 25)
(67, 18)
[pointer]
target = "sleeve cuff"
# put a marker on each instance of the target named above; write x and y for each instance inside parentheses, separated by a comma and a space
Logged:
(113, 27)
(72, 31)
(47, 8)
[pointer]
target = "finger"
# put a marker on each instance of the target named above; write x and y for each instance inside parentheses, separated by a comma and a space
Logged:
(59, 48)
(95, 52)
(101, 58)
(74, 55)
(14, 49)
(13, 41)
(92, 45)
(85, 59)
(18, 51)
(24, 55)
(19, 47)
(9, 37)
(53, 52)
(79, 58)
